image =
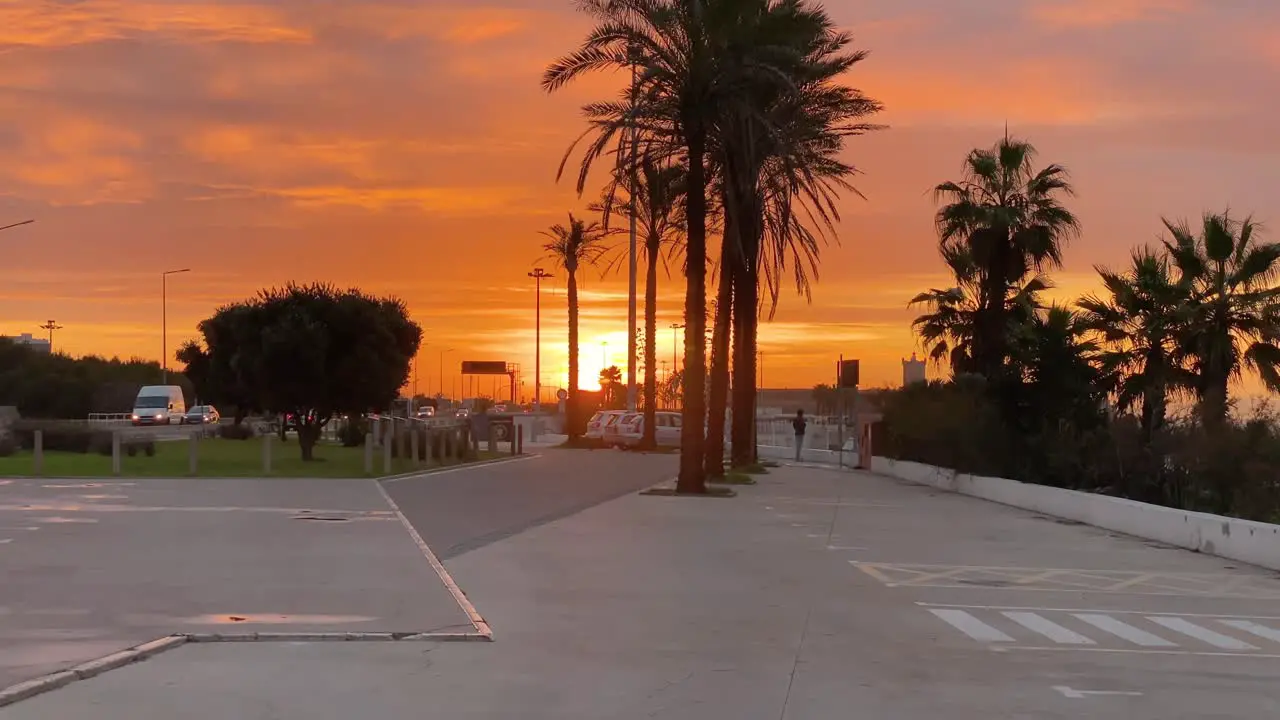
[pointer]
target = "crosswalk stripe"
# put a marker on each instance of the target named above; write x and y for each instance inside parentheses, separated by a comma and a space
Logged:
(1253, 628)
(1187, 627)
(1048, 628)
(971, 626)
(1106, 623)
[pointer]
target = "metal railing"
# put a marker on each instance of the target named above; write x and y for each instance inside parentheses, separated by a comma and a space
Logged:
(110, 418)
(821, 433)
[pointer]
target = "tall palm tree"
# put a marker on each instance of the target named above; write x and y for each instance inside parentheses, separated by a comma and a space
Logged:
(659, 197)
(1138, 323)
(692, 65)
(1054, 365)
(1011, 218)
(570, 247)
(1234, 310)
(948, 331)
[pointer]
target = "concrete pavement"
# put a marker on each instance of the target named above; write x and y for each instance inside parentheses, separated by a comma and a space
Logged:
(815, 594)
(91, 568)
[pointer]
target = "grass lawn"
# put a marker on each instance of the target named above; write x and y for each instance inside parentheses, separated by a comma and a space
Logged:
(217, 458)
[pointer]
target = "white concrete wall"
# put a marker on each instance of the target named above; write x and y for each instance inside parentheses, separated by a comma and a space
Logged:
(1251, 542)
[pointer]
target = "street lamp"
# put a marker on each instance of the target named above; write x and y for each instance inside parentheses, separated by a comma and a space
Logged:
(604, 355)
(442, 352)
(675, 346)
(538, 276)
(164, 322)
(51, 326)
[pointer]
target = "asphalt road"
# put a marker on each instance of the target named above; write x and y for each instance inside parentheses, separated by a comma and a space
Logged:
(462, 510)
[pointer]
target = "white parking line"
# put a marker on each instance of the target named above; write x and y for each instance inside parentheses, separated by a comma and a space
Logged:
(1186, 627)
(1253, 628)
(971, 626)
(1048, 628)
(1106, 623)
(1085, 610)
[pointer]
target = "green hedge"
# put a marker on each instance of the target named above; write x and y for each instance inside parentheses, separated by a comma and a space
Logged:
(1234, 470)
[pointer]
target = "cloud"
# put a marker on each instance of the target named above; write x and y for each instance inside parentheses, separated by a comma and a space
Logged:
(49, 23)
(1106, 13)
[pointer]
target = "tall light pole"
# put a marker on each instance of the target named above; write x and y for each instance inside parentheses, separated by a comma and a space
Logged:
(631, 293)
(164, 322)
(442, 352)
(538, 276)
(675, 346)
(50, 325)
(604, 355)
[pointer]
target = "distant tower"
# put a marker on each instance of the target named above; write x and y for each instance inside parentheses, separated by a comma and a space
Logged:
(912, 371)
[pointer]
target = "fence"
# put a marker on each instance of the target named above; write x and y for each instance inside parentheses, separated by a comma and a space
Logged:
(110, 418)
(822, 433)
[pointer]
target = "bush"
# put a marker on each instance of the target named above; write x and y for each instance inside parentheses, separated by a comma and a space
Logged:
(61, 436)
(8, 446)
(1231, 470)
(241, 431)
(352, 432)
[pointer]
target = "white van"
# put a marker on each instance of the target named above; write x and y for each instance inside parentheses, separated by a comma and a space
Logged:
(159, 405)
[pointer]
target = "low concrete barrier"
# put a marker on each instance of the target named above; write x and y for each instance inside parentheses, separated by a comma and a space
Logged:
(1255, 543)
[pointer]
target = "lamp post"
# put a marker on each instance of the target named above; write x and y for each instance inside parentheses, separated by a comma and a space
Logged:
(631, 291)
(604, 355)
(164, 322)
(442, 352)
(675, 346)
(538, 276)
(50, 325)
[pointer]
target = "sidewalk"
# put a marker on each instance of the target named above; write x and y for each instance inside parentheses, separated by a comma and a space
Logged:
(816, 594)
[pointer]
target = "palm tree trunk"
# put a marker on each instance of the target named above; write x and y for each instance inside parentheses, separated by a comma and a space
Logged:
(719, 400)
(692, 478)
(572, 411)
(990, 343)
(650, 439)
(745, 325)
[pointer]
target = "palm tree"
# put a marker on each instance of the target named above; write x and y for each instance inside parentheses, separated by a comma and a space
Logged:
(570, 247)
(1010, 217)
(692, 64)
(1234, 309)
(659, 195)
(1138, 323)
(1055, 363)
(949, 330)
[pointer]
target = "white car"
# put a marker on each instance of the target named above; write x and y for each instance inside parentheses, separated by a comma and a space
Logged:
(602, 419)
(666, 432)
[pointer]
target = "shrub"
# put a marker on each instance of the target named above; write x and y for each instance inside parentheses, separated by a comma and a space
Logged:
(8, 446)
(61, 436)
(352, 432)
(1229, 470)
(241, 431)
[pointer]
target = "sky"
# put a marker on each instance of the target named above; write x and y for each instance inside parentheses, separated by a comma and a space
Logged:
(405, 147)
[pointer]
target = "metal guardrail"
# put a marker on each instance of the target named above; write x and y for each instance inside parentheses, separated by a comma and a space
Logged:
(820, 434)
(110, 418)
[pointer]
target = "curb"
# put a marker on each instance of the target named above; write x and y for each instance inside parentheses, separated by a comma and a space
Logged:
(457, 468)
(93, 668)
(473, 615)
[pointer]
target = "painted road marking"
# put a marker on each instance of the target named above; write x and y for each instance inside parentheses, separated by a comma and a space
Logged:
(1081, 694)
(1186, 627)
(1253, 628)
(1048, 628)
(1106, 623)
(1242, 585)
(971, 626)
(1085, 610)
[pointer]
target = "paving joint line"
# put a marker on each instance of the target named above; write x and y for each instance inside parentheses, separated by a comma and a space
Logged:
(28, 689)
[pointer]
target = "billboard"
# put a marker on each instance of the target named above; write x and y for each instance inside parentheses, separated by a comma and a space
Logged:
(848, 373)
(484, 367)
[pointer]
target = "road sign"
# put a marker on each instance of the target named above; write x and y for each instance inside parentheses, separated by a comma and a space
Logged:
(562, 394)
(484, 367)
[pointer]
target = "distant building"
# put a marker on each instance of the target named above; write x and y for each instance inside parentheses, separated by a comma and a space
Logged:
(913, 371)
(35, 343)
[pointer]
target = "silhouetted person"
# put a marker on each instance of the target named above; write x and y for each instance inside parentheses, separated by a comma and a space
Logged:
(799, 425)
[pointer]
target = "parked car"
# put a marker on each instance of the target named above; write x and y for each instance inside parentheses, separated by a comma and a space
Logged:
(613, 429)
(597, 423)
(666, 432)
(201, 415)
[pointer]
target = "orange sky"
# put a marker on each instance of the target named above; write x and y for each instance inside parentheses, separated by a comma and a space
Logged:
(405, 147)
